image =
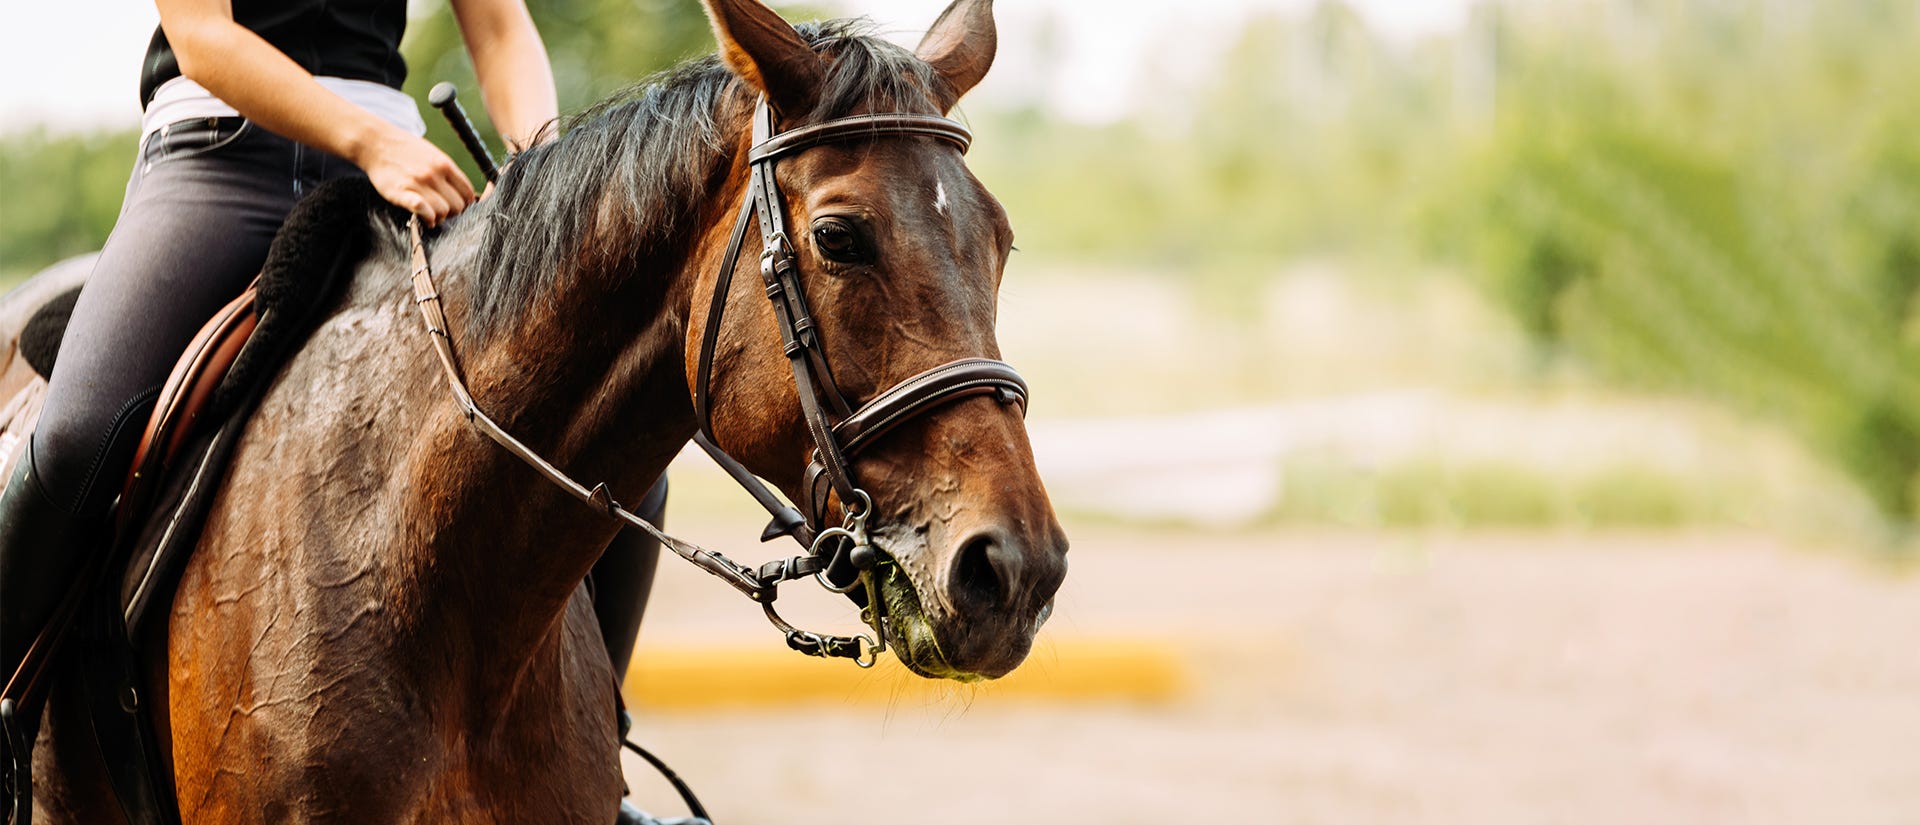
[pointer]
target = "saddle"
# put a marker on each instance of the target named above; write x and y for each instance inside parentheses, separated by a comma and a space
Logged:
(196, 422)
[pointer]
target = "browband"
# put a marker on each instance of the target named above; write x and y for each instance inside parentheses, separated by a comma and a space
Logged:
(861, 126)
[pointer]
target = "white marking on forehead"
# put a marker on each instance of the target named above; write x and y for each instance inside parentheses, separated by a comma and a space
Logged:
(940, 197)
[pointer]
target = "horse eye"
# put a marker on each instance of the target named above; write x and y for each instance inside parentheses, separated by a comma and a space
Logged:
(838, 241)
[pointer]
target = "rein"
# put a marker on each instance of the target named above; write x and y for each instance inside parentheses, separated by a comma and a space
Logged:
(839, 431)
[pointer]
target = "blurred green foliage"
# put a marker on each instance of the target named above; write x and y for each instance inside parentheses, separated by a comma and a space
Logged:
(59, 195)
(596, 47)
(1303, 136)
(1719, 198)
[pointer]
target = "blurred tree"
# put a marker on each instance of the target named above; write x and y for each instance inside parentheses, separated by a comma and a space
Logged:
(59, 195)
(1720, 200)
(1309, 135)
(596, 46)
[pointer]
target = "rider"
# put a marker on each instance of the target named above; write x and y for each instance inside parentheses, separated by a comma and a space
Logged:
(248, 105)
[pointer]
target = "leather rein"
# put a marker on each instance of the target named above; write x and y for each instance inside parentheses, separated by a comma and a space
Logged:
(839, 431)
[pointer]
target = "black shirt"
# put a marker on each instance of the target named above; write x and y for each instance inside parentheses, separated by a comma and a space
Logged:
(354, 39)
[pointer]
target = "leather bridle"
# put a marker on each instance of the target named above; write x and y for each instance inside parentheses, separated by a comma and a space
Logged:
(842, 558)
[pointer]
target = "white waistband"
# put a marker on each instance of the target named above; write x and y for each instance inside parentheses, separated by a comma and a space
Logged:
(182, 99)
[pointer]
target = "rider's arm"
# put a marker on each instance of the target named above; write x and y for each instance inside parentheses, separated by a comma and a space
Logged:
(266, 86)
(511, 63)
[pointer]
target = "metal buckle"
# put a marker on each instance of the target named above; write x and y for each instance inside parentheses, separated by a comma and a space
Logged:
(775, 258)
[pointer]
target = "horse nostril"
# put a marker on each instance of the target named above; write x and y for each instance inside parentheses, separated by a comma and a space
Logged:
(985, 571)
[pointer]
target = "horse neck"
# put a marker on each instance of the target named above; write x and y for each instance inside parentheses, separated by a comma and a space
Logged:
(593, 381)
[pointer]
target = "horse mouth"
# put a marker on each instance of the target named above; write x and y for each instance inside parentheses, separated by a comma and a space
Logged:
(911, 634)
(927, 642)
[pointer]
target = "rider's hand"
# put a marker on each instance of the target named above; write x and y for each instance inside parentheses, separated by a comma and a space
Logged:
(416, 176)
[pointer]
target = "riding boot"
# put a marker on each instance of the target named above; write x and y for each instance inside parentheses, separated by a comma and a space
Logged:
(40, 553)
(39, 556)
(623, 577)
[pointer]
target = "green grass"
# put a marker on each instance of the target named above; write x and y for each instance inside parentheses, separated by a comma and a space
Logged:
(1437, 492)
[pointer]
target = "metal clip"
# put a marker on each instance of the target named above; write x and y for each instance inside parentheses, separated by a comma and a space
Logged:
(857, 514)
(766, 270)
(868, 652)
(602, 498)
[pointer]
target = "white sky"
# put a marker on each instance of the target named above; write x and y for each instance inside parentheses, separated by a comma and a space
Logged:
(74, 64)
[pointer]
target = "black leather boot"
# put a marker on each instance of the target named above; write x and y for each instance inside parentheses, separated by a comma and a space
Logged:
(623, 577)
(40, 553)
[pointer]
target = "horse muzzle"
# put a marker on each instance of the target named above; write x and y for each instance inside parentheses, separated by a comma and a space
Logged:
(970, 613)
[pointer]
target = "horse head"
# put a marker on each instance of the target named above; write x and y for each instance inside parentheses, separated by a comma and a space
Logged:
(900, 251)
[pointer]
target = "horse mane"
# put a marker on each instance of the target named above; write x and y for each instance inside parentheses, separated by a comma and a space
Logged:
(654, 149)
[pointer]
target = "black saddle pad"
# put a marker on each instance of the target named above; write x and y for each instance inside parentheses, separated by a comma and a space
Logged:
(40, 339)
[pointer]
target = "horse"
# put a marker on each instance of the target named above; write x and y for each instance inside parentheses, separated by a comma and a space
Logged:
(385, 620)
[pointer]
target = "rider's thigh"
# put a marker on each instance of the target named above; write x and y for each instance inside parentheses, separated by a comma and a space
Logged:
(201, 209)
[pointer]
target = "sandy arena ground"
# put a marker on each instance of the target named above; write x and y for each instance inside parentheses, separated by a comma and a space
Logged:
(1362, 678)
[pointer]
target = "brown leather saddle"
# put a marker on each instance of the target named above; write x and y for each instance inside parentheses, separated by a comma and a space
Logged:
(189, 388)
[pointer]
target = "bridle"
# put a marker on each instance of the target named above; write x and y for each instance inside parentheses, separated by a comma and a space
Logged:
(841, 558)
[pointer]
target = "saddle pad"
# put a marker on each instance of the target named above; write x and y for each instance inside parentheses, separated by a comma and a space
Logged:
(40, 340)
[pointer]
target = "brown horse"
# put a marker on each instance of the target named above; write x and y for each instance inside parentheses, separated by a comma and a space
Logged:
(385, 620)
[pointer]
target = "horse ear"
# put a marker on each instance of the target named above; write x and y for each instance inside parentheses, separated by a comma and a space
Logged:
(960, 47)
(764, 50)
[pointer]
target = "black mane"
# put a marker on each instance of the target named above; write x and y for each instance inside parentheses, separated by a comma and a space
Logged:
(657, 147)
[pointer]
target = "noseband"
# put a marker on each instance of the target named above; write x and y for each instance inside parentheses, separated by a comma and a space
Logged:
(841, 558)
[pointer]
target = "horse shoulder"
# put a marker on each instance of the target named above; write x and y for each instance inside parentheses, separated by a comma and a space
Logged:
(282, 682)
